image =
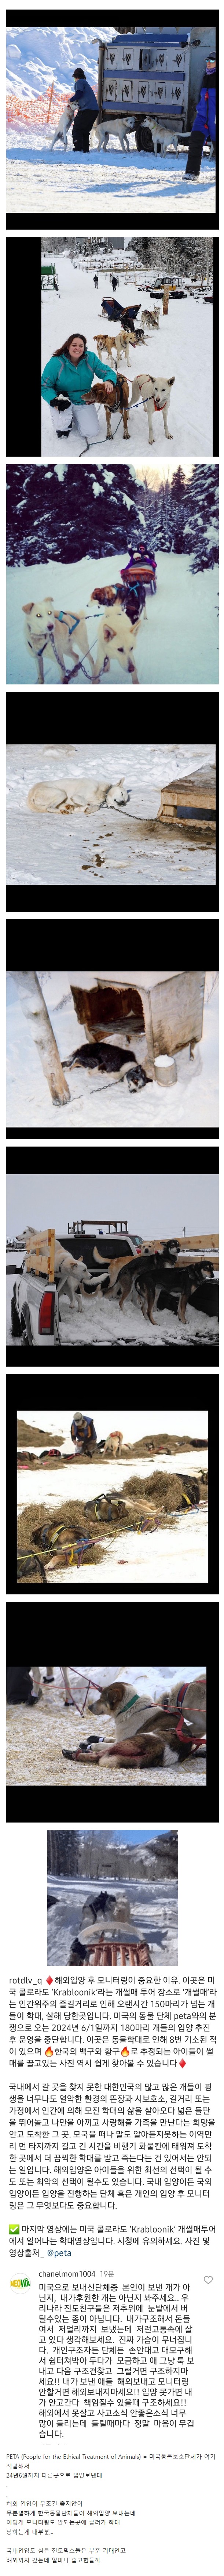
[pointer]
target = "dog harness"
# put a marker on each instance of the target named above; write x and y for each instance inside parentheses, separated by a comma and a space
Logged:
(187, 1722)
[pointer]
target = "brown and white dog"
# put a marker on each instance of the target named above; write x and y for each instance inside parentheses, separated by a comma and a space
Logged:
(115, 399)
(153, 318)
(155, 397)
(103, 344)
(48, 632)
(143, 1727)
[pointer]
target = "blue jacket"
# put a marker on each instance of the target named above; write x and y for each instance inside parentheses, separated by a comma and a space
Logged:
(84, 97)
(59, 377)
(204, 121)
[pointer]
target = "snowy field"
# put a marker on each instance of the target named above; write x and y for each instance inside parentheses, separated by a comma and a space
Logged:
(191, 1102)
(72, 182)
(50, 851)
(35, 1736)
(169, 1556)
(177, 643)
(182, 348)
(153, 1906)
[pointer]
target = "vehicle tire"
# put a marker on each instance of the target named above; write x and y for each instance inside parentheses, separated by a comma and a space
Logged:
(143, 138)
(15, 1323)
(26, 1335)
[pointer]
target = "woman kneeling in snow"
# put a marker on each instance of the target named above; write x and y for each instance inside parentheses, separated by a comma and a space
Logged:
(66, 380)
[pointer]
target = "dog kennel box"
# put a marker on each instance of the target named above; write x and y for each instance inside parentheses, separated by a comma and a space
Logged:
(190, 803)
(169, 1015)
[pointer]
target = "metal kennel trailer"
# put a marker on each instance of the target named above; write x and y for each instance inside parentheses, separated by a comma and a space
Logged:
(152, 80)
(169, 1015)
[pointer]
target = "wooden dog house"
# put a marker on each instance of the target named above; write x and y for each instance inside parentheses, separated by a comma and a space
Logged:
(189, 804)
(168, 1016)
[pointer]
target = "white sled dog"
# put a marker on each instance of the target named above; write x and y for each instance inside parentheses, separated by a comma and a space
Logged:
(70, 799)
(155, 397)
(116, 639)
(62, 130)
(103, 134)
(48, 631)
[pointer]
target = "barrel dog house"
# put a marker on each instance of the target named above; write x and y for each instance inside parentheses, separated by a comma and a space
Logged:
(168, 1016)
(188, 804)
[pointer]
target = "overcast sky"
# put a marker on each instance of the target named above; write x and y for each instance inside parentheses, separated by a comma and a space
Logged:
(154, 1203)
(134, 1426)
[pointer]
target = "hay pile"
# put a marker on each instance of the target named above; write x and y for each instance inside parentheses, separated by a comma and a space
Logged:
(157, 1499)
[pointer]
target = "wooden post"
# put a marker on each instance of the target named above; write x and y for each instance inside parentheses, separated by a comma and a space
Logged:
(34, 1007)
(40, 1255)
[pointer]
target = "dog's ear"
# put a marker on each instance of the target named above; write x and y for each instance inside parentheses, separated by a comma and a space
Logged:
(27, 605)
(171, 380)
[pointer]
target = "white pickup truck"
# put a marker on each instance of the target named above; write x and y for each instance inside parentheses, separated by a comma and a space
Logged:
(34, 1311)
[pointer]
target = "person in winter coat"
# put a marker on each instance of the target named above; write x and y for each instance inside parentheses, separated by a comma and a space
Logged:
(140, 568)
(96, 281)
(86, 102)
(203, 129)
(83, 1434)
(114, 284)
(65, 381)
(18, 1685)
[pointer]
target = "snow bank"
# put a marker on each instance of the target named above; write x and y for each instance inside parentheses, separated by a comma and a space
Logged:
(178, 639)
(75, 182)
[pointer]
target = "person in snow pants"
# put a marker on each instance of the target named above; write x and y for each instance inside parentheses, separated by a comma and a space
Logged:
(96, 281)
(66, 380)
(203, 129)
(83, 1434)
(86, 102)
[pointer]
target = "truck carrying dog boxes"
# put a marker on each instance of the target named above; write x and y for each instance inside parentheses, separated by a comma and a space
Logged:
(152, 79)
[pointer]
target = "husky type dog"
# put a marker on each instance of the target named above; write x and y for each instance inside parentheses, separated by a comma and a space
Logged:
(155, 397)
(50, 630)
(61, 130)
(153, 318)
(69, 800)
(116, 399)
(102, 343)
(103, 134)
(115, 636)
(143, 1727)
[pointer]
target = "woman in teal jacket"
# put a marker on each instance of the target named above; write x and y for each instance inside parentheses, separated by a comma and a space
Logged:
(65, 382)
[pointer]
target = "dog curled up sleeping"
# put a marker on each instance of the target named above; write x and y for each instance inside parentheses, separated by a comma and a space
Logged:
(73, 798)
(155, 391)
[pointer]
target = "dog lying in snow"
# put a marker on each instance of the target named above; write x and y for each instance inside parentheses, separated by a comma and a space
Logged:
(115, 1060)
(49, 631)
(103, 134)
(61, 130)
(155, 397)
(70, 800)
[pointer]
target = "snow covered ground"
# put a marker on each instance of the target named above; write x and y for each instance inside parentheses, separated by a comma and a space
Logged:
(191, 1102)
(74, 181)
(50, 852)
(169, 1556)
(35, 1737)
(182, 347)
(177, 642)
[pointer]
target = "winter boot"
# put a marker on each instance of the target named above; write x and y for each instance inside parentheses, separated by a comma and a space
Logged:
(64, 419)
(195, 150)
